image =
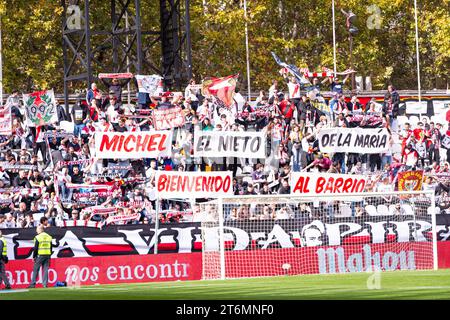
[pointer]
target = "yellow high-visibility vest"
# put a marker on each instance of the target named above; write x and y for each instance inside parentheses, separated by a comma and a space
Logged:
(44, 244)
(4, 251)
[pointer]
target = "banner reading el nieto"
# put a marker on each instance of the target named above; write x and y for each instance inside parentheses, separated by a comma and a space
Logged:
(40, 108)
(230, 144)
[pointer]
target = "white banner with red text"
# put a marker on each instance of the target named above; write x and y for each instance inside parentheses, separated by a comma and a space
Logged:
(326, 183)
(194, 184)
(133, 145)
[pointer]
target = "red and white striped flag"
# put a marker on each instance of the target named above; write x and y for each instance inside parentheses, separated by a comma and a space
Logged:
(319, 74)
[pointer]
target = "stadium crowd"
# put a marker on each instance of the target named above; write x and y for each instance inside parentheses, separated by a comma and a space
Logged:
(49, 176)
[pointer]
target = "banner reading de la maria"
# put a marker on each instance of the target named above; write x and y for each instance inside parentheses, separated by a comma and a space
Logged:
(133, 145)
(194, 184)
(168, 119)
(326, 183)
(354, 140)
(230, 144)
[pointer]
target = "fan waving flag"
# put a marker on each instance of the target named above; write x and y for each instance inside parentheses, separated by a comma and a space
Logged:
(149, 84)
(292, 69)
(40, 108)
(221, 88)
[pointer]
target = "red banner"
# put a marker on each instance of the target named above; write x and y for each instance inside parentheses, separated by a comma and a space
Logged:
(111, 270)
(331, 259)
(410, 180)
(251, 263)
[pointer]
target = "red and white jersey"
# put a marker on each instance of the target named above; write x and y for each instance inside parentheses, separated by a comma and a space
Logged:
(294, 90)
(88, 130)
(405, 135)
(419, 134)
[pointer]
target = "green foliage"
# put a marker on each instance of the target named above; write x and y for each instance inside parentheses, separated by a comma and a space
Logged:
(300, 32)
(32, 45)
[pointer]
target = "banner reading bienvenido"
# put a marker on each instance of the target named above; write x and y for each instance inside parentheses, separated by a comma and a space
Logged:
(326, 183)
(133, 145)
(194, 184)
(354, 140)
(168, 119)
(40, 108)
(230, 144)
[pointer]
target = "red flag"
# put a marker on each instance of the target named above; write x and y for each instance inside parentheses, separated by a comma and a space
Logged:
(410, 180)
(222, 88)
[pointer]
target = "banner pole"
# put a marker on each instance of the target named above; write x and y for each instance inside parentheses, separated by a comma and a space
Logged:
(128, 59)
(334, 39)
(221, 239)
(433, 229)
(417, 53)
(156, 225)
(247, 50)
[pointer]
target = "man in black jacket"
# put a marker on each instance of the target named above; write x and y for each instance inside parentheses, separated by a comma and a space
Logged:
(115, 87)
(22, 180)
(79, 117)
(77, 175)
(391, 104)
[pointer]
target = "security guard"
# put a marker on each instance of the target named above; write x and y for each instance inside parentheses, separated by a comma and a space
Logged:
(3, 261)
(41, 255)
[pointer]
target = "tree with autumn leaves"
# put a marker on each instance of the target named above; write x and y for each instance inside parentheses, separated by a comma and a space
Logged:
(300, 32)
